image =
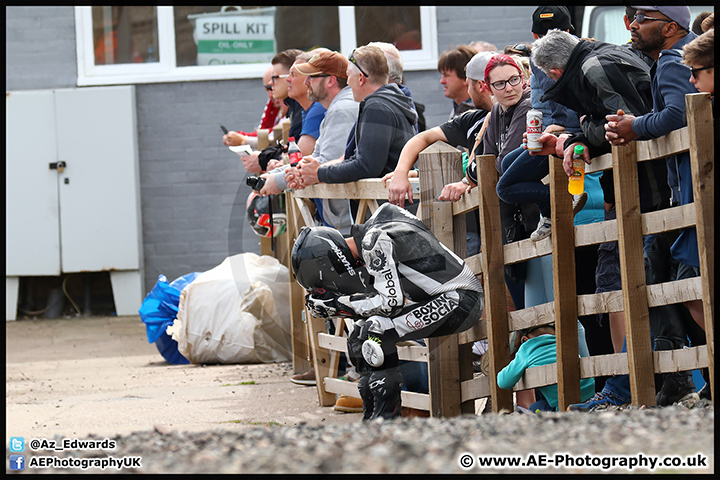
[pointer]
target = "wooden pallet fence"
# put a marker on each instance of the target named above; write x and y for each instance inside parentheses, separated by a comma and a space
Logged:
(453, 387)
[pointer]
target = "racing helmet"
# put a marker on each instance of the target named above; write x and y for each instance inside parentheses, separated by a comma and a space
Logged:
(264, 222)
(322, 259)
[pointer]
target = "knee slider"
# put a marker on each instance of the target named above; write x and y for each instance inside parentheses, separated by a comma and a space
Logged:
(373, 353)
(380, 351)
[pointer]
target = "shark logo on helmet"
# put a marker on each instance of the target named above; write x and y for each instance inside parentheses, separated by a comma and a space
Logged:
(341, 256)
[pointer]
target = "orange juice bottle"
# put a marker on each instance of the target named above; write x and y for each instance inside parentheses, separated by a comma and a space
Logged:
(576, 182)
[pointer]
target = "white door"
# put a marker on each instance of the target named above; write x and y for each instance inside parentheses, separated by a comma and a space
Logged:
(98, 189)
(32, 240)
(85, 216)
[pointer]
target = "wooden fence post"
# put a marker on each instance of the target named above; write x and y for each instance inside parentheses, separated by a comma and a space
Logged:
(632, 274)
(702, 160)
(263, 138)
(564, 287)
(298, 329)
(449, 362)
(493, 260)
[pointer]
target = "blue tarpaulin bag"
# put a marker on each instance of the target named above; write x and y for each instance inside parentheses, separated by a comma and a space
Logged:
(159, 310)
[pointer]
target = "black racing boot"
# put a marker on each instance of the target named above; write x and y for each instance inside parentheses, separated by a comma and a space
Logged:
(677, 386)
(366, 395)
(385, 386)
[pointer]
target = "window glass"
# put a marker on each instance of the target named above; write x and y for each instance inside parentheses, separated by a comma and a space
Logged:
(132, 45)
(397, 25)
(124, 34)
(607, 25)
(215, 35)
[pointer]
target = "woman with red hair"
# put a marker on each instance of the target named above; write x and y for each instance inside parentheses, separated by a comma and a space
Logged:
(502, 134)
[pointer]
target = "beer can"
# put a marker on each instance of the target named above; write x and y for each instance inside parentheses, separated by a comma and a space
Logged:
(534, 130)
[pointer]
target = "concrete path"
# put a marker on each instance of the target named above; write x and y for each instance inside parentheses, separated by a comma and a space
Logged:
(81, 376)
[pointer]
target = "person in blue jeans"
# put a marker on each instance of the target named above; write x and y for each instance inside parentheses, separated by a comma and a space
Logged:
(539, 277)
(525, 176)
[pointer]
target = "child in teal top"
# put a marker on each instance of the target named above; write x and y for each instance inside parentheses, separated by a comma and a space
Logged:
(539, 348)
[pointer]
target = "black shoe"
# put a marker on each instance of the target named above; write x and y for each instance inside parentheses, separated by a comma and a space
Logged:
(476, 366)
(676, 387)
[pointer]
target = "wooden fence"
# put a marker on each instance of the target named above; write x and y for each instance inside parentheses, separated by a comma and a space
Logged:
(453, 386)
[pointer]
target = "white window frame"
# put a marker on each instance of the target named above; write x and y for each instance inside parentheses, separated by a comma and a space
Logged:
(166, 70)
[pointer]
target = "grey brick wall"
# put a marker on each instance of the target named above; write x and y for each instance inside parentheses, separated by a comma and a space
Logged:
(499, 25)
(192, 187)
(39, 48)
(193, 190)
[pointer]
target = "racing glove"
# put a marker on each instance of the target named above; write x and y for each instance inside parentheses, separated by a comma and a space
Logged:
(323, 303)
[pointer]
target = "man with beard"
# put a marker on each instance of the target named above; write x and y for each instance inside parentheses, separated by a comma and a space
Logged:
(596, 79)
(386, 119)
(662, 32)
(326, 81)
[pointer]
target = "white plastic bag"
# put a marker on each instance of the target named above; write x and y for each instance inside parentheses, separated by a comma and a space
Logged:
(237, 312)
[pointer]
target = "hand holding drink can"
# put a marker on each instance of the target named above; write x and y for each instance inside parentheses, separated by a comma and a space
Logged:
(534, 130)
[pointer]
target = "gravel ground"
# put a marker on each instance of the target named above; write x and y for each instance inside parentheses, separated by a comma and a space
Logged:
(98, 378)
(430, 445)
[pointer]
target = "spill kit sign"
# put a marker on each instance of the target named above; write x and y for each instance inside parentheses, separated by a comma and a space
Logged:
(235, 37)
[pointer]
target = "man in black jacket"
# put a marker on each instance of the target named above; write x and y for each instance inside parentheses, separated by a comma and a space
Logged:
(397, 282)
(385, 123)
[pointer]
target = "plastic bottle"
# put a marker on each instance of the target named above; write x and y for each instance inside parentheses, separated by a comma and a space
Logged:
(294, 153)
(576, 182)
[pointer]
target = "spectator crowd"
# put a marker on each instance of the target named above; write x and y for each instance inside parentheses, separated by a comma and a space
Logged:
(354, 118)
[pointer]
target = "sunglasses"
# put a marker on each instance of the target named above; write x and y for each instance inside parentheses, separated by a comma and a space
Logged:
(693, 71)
(641, 17)
(275, 77)
(319, 75)
(354, 62)
(513, 81)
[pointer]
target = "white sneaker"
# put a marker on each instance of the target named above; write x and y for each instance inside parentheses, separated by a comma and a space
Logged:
(543, 230)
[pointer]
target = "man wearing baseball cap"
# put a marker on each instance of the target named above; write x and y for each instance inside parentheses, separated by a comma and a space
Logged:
(662, 32)
(547, 17)
(326, 82)
(544, 18)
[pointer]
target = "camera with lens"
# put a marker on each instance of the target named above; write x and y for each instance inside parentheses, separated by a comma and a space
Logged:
(255, 182)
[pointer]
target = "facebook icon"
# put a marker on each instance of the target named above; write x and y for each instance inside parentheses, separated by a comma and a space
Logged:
(17, 462)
